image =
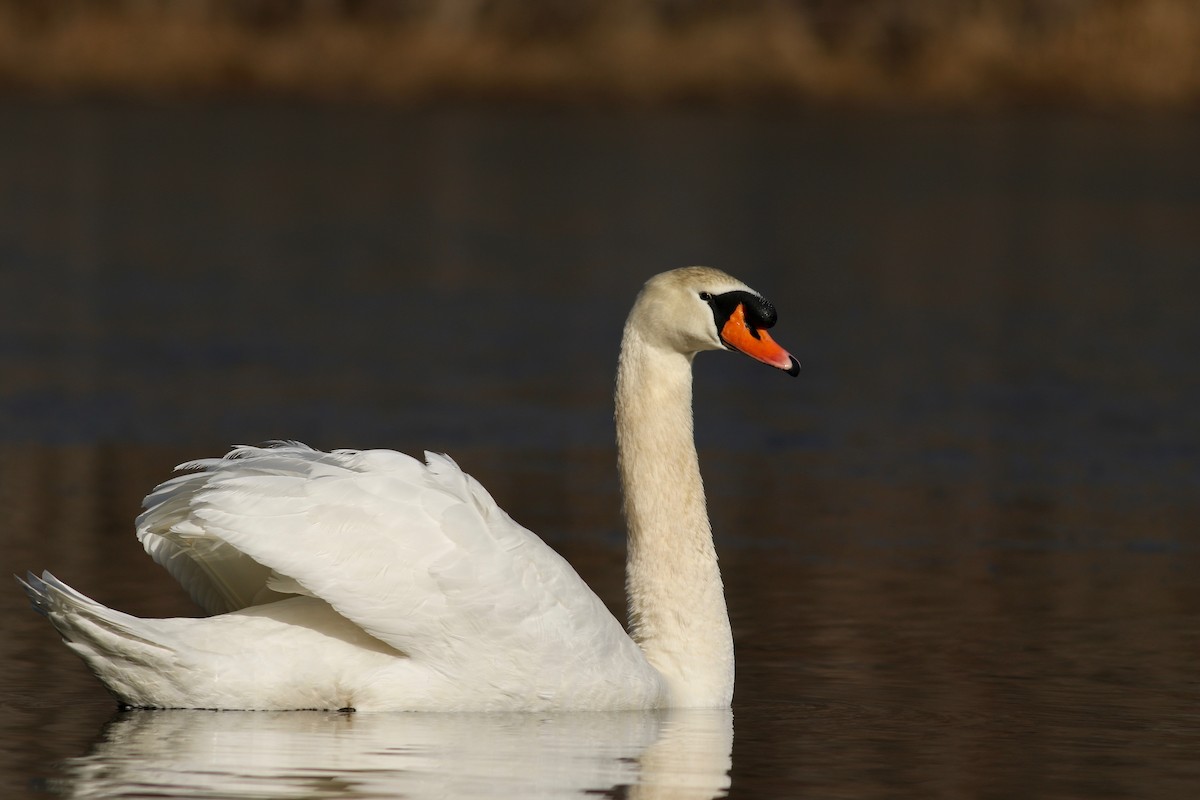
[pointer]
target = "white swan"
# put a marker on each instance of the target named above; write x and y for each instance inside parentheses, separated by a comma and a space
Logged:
(368, 580)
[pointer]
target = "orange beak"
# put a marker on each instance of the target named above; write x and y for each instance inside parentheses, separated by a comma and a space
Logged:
(756, 343)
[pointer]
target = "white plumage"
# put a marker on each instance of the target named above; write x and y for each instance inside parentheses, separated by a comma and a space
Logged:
(371, 580)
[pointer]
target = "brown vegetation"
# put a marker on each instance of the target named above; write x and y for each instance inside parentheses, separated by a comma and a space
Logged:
(893, 52)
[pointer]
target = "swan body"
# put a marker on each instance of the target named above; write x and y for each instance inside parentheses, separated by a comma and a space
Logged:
(374, 581)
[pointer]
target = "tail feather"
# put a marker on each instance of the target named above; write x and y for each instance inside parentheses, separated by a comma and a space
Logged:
(112, 643)
(69, 610)
(37, 591)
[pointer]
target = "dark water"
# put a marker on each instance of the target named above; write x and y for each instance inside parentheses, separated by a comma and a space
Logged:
(961, 549)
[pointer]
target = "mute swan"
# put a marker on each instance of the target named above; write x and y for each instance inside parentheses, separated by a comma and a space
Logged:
(372, 581)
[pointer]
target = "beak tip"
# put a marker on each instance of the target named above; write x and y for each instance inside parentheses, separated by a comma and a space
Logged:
(794, 368)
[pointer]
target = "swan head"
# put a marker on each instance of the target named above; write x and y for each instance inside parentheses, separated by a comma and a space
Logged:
(700, 308)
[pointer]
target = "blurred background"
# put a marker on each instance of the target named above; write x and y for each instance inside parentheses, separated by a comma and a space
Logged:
(959, 549)
(892, 52)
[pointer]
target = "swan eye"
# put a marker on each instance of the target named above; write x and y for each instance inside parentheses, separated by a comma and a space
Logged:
(706, 297)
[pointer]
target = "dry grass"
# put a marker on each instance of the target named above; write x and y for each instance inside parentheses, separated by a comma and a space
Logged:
(1115, 53)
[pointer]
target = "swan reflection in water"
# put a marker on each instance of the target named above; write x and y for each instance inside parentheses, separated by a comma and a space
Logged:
(653, 754)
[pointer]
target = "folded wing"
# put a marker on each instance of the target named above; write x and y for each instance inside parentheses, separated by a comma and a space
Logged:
(417, 555)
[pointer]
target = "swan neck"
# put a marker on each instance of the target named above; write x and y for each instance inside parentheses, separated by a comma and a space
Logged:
(676, 600)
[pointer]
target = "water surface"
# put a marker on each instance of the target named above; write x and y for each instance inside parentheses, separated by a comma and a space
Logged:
(959, 550)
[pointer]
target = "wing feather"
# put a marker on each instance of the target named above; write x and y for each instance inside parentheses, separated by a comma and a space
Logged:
(417, 555)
